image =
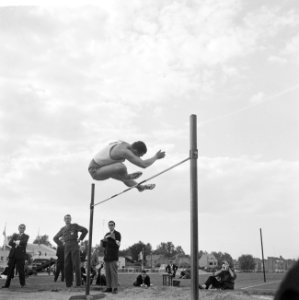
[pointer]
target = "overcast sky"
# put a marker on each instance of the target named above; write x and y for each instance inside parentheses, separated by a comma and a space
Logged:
(74, 77)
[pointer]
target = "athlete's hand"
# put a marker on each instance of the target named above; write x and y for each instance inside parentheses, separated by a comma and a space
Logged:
(160, 154)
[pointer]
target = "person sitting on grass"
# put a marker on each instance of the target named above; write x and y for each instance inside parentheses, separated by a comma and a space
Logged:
(223, 279)
(84, 273)
(185, 274)
(101, 278)
(143, 280)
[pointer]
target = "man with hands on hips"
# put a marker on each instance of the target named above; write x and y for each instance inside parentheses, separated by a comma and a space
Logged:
(71, 249)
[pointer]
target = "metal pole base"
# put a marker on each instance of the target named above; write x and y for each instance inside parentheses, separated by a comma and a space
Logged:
(87, 297)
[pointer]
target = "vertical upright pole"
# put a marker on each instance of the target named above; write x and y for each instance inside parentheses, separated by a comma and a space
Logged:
(151, 261)
(143, 259)
(87, 289)
(194, 207)
(263, 260)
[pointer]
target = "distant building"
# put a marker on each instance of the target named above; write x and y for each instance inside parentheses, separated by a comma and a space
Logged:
(258, 265)
(121, 262)
(37, 250)
(182, 261)
(273, 264)
(156, 260)
(208, 261)
(278, 264)
(34, 250)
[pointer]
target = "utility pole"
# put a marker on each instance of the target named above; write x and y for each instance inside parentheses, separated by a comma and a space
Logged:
(263, 260)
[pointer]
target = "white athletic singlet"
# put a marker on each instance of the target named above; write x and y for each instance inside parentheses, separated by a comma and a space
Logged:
(103, 158)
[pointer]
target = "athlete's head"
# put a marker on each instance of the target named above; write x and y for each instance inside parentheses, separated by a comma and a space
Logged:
(139, 148)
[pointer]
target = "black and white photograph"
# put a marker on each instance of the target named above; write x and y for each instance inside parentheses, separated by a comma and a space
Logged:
(151, 139)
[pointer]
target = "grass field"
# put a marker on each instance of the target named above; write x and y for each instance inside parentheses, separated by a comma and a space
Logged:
(248, 286)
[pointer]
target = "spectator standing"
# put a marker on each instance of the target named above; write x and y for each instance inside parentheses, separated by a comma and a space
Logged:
(71, 249)
(59, 261)
(171, 268)
(17, 256)
(111, 243)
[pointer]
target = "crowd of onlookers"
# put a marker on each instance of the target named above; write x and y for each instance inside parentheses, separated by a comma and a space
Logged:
(71, 258)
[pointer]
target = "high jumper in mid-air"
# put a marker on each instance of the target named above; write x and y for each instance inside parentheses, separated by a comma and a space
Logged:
(109, 163)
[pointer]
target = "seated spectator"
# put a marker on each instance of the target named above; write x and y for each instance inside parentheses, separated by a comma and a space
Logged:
(185, 274)
(143, 280)
(4, 274)
(83, 252)
(171, 269)
(84, 273)
(289, 287)
(101, 278)
(223, 279)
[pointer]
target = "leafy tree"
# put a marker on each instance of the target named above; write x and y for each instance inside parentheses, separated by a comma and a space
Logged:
(220, 256)
(136, 248)
(42, 239)
(166, 249)
(123, 252)
(179, 250)
(169, 250)
(201, 253)
(246, 262)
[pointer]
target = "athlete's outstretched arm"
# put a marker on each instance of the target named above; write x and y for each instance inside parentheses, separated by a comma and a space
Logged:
(143, 163)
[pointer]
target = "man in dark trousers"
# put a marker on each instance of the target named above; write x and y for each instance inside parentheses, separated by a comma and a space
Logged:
(71, 249)
(60, 260)
(171, 268)
(111, 243)
(17, 255)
